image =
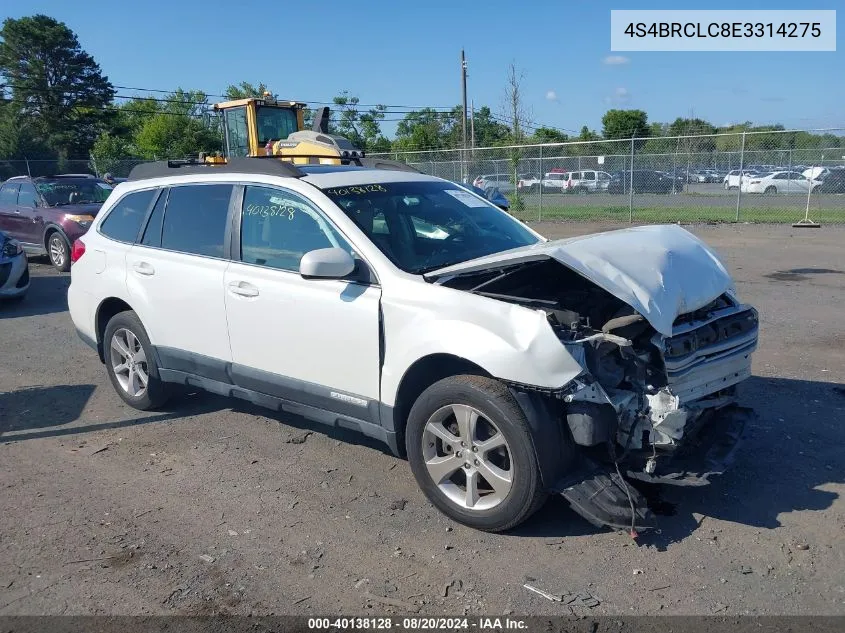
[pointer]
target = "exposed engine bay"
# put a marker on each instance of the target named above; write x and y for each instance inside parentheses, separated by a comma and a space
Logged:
(642, 395)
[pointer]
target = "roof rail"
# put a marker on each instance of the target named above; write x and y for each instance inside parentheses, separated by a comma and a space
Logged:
(385, 163)
(159, 169)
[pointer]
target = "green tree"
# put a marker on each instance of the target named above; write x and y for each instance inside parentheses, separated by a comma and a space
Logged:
(180, 126)
(548, 135)
(362, 128)
(245, 90)
(55, 82)
(423, 129)
(623, 124)
(112, 154)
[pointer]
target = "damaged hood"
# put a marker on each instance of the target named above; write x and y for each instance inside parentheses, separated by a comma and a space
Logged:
(660, 271)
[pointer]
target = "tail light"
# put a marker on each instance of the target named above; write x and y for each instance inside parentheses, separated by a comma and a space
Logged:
(77, 251)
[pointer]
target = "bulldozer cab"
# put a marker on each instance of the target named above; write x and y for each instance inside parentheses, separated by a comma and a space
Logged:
(249, 124)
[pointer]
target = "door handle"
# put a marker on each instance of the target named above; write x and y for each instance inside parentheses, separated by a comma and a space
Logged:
(243, 289)
(143, 268)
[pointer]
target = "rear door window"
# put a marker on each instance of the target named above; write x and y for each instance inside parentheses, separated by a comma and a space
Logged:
(152, 234)
(195, 219)
(123, 222)
(27, 196)
(9, 195)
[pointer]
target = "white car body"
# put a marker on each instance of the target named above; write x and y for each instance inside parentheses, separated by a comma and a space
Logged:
(778, 182)
(732, 179)
(342, 352)
(14, 269)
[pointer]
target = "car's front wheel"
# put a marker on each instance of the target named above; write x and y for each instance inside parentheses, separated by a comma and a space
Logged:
(470, 449)
(130, 363)
(58, 251)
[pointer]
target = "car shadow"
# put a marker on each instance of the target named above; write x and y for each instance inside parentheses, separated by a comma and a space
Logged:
(790, 455)
(47, 294)
(39, 412)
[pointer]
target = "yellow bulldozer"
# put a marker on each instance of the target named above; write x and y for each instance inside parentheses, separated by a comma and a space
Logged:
(269, 127)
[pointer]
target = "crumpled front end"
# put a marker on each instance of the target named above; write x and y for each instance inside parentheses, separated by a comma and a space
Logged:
(655, 394)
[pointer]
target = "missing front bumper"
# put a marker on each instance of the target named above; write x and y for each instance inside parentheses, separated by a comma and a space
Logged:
(710, 452)
(603, 498)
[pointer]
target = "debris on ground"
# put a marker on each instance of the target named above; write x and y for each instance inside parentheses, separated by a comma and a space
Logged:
(232, 533)
(399, 604)
(398, 504)
(638, 572)
(455, 583)
(580, 599)
(298, 438)
(802, 546)
(745, 570)
(207, 558)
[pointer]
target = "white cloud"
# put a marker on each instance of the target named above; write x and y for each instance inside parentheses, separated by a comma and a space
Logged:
(551, 95)
(616, 60)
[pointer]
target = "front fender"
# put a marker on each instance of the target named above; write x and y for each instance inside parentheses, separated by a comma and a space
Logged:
(510, 342)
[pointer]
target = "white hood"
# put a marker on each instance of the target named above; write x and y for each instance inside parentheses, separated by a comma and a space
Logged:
(660, 271)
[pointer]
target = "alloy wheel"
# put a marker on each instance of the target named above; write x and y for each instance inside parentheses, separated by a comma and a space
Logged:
(467, 457)
(129, 362)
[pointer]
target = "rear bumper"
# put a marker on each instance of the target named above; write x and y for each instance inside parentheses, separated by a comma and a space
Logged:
(14, 277)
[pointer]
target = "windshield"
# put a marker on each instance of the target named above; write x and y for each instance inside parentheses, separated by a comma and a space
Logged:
(66, 191)
(275, 123)
(422, 226)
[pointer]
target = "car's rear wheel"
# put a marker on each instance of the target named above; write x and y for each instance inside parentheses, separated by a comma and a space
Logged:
(130, 363)
(471, 453)
(58, 250)
(771, 189)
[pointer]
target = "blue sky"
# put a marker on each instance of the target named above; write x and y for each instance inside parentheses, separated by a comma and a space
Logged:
(407, 53)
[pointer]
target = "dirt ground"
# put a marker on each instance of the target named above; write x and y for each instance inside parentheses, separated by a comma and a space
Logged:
(214, 506)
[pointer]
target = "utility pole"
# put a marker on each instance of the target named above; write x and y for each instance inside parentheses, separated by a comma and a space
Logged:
(464, 113)
(472, 125)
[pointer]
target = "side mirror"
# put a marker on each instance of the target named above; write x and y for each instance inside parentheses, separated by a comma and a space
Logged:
(326, 263)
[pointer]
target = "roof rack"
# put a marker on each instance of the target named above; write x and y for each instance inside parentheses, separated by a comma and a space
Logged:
(192, 166)
(385, 163)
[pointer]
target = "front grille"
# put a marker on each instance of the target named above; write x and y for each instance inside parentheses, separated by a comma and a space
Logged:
(706, 356)
(5, 269)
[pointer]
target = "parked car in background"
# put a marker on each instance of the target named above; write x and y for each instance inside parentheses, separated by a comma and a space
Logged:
(555, 181)
(587, 181)
(46, 214)
(502, 182)
(816, 173)
(732, 179)
(834, 182)
(777, 182)
(528, 183)
(14, 269)
(644, 181)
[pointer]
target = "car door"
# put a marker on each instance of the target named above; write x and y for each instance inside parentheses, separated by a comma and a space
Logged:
(9, 214)
(589, 181)
(798, 183)
(174, 275)
(29, 214)
(310, 341)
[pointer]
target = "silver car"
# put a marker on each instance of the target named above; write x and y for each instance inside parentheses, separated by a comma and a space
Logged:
(14, 269)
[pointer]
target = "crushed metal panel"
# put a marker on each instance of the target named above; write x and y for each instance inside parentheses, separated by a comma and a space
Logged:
(661, 271)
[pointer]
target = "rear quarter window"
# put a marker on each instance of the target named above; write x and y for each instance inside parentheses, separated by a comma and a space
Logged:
(123, 223)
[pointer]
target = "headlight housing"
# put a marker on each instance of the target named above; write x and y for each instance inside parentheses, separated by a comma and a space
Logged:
(82, 220)
(11, 248)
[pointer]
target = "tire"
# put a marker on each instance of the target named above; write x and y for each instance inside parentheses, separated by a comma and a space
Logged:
(499, 420)
(771, 189)
(58, 250)
(156, 392)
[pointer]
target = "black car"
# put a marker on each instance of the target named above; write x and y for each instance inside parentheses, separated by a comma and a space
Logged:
(834, 182)
(644, 181)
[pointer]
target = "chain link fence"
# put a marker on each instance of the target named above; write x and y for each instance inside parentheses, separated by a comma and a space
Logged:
(773, 176)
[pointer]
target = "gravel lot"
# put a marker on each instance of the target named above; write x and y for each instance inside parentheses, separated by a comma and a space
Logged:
(213, 506)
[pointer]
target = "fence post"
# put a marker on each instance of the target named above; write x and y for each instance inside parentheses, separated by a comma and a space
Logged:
(540, 185)
(741, 167)
(631, 186)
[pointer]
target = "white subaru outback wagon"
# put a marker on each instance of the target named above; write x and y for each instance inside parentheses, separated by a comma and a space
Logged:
(504, 366)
